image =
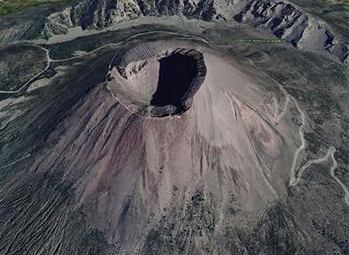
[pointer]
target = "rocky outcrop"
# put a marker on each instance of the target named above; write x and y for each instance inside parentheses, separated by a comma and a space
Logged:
(285, 20)
(290, 23)
(95, 14)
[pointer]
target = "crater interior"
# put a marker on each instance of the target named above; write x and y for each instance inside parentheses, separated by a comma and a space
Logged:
(159, 82)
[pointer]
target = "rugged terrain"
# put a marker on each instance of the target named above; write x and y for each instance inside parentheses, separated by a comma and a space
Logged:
(285, 20)
(163, 135)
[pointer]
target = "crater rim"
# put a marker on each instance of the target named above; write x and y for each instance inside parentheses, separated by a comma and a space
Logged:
(180, 73)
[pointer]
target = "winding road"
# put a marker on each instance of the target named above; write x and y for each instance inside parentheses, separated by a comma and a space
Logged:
(16, 161)
(294, 178)
(329, 155)
(301, 127)
(50, 60)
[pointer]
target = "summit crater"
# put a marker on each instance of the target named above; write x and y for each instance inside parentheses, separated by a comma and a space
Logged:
(159, 83)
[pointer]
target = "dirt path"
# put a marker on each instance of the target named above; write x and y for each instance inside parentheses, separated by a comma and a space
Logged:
(301, 127)
(16, 161)
(49, 60)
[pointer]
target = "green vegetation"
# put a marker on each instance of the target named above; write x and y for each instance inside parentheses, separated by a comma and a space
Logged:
(10, 6)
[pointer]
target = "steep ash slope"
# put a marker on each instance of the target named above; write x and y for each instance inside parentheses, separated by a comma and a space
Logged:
(112, 150)
(129, 169)
(84, 172)
(94, 163)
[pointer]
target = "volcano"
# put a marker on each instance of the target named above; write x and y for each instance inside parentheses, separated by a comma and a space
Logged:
(166, 146)
(173, 122)
(211, 127)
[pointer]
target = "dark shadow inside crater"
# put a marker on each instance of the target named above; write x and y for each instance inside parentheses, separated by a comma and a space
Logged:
(181, 73)
(177, 72)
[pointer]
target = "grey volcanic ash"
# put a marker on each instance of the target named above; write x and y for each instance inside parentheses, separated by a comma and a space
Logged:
(130, 169)
(155, 81)
(174, 136)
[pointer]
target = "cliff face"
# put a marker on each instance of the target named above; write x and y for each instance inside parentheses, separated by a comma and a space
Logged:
(290, 23)
(96, 14)
(283, 19)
